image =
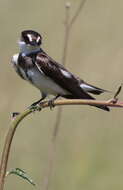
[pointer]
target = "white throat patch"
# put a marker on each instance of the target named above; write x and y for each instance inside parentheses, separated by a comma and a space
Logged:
(27, 49)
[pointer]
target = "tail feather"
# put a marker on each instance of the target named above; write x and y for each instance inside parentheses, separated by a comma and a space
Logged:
(92, 89)
(103, 107)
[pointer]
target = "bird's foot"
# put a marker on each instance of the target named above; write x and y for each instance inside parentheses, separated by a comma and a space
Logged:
(51, 104)
(36, 106)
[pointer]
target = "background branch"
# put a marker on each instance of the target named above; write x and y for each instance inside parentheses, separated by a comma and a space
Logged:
(56, 126)
(77, 13)
(68, 26)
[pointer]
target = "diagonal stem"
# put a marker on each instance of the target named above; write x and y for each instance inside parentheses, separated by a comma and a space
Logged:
(77, 13)
(7, 146)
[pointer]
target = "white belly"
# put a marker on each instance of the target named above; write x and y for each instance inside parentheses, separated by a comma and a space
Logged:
(44, 83)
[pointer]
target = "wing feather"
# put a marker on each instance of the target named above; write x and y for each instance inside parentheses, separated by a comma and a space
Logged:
(61, 76)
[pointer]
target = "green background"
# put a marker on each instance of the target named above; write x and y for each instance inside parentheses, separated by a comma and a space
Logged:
(89, 148)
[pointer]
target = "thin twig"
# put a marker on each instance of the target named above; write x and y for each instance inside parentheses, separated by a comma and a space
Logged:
(118, 91)
(64, 57)
(68, 26)
(65, 48)
(59, 112)
(21, 116)
(77, 13)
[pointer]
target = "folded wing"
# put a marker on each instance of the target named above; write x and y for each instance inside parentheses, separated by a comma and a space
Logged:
(61, 76)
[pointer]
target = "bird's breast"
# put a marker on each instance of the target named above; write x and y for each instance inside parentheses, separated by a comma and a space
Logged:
(44, 83)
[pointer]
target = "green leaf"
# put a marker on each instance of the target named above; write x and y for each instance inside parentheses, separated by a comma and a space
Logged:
(22, 174)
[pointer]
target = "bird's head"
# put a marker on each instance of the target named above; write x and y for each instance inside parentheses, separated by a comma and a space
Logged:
(30, 41)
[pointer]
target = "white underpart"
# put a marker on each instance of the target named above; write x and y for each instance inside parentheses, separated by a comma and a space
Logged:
(14, 62)
(26, 48)
(44, 83)
(30, 37)
(86, 87)
(39, 79)
(65, 73)
(15, 58)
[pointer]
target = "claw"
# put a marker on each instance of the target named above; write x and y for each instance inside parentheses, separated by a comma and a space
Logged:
(51, 104)
(36, 107)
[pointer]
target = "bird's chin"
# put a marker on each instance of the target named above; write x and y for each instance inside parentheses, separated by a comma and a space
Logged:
(22, 45)
(27, 48)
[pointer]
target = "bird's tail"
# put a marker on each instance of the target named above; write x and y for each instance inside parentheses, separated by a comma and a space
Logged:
(92, 89)
(88, 96)
(103, 107)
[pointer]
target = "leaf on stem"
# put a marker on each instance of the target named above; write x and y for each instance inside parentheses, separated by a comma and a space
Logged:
(21, 173)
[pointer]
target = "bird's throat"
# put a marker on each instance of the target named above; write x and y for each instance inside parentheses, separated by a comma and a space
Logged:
(28, 49)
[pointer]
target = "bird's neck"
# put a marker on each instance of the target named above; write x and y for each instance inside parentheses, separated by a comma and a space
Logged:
(27, 49)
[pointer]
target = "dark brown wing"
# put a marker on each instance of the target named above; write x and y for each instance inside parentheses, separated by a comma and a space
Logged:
(61, 76)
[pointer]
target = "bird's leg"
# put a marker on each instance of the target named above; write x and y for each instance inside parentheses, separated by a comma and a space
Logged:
(37, 105)
(51, 102)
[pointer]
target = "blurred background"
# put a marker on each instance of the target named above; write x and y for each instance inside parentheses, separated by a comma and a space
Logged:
(89, 148)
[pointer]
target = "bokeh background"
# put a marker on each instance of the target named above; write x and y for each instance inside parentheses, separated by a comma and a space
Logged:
(89, 148)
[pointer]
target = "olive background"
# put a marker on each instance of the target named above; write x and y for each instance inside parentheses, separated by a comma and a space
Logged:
(89, 147)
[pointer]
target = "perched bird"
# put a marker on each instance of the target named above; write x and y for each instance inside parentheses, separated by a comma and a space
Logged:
(34, 65)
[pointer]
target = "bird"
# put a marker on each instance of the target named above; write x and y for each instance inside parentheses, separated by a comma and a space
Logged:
(34, 65)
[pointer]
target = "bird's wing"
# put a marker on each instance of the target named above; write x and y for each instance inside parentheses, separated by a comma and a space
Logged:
(61, 76)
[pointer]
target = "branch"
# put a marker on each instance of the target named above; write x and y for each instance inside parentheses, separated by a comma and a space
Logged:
(21, 116)
(7, 145)
(56, 126)
(77, 13)
(66, 38)
(108, 103)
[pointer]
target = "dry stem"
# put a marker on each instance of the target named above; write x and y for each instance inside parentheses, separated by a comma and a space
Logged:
(20, 117)
(68, 26)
